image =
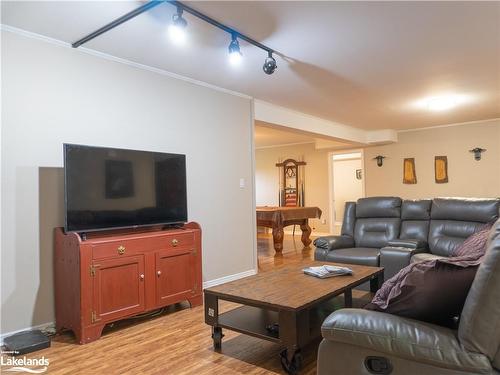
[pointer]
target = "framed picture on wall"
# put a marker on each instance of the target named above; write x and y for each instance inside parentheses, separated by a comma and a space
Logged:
(409, 172)
(441, 169)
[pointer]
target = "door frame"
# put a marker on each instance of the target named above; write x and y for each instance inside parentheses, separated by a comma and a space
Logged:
(331, 194)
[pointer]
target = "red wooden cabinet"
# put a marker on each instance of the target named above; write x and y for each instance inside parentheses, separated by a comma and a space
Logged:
(115, 275)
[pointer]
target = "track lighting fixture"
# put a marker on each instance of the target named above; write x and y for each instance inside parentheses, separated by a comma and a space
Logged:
(269, 64)
(234, 51)
(177, 29)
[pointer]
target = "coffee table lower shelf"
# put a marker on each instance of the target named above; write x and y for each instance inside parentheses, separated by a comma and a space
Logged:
(251, 321)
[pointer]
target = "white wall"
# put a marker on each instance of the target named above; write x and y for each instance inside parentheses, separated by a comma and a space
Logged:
(53, 94)
(346, 187)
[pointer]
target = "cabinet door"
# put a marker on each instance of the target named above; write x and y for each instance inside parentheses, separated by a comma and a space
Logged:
(175, 275)
(118, 288)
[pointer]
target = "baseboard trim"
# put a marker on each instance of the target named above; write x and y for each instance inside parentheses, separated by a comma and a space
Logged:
(206, 284)
(225, 279)
(42, 327)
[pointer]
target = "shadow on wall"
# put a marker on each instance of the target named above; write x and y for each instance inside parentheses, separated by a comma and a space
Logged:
(51, 215)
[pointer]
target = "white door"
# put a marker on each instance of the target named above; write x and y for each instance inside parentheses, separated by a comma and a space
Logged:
(348, 184)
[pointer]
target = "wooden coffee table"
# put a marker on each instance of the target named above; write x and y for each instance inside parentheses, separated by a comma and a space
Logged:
(286, 297)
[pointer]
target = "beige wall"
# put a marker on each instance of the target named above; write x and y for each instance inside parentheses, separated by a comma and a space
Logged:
(467, 177)
(53, 94)
(316, 178)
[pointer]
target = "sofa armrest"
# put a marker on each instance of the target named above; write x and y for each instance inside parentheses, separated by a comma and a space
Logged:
(395, 258)
(409, 244)
(402, 338)
(334, 242)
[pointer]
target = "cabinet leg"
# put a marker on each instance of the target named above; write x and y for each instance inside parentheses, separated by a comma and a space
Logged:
(89, 334)
(195, 301)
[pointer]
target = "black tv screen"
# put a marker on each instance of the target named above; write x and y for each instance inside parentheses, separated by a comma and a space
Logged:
(116, 188)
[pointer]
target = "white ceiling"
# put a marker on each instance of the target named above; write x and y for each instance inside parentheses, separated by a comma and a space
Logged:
(359, 63)
(267, 135)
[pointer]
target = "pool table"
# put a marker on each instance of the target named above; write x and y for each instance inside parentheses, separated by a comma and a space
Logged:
(279, 217)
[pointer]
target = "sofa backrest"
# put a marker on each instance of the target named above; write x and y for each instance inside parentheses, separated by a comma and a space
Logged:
(378, 221)
(415, 217)
(455, 219)
(479, 329)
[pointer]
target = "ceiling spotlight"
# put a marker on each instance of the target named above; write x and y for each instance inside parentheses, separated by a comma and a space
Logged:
(177, 29)
(270, 64)
(234, 51)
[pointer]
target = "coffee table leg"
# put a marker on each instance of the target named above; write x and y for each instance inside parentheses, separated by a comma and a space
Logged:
(217, 337)
(348, 298)
(212, 318)
(376, 282)
(294, 333)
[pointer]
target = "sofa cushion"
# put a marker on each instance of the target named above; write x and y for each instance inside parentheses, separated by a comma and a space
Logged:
(465, 209)
(416, 209)
(414, 230)
(435, 295)
(446, 235)
(424, 256)
(378, 207)
(375, 232)
(365, 256)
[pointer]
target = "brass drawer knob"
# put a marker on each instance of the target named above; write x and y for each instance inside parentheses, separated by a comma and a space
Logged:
(158, 273)
(141, 276)
(121, 250)
(175, 242)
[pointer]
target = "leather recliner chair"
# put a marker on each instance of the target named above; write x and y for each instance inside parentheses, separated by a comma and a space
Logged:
(368, 226)
(357, 341)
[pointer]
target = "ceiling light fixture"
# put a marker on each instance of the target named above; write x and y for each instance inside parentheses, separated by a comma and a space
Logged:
(179, 33)
(177, 29)
(440, 103)
(235, 54)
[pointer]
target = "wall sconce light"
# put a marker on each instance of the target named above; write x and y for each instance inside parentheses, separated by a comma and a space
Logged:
(379, 159)
(477, 152)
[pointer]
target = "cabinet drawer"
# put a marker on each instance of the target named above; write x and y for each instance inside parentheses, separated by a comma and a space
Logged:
(117, 249)
(180, 240)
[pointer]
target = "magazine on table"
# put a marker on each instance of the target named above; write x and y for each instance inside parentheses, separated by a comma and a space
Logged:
(326, 271)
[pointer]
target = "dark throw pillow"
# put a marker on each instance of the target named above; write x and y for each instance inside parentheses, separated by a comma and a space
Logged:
(436, 295)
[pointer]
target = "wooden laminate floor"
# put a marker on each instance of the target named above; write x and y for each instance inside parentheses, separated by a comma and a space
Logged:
(178, 341)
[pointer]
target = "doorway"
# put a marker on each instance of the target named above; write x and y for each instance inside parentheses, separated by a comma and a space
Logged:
(347, 184)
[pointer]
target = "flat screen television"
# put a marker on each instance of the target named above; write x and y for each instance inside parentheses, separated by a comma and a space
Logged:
(109, 188)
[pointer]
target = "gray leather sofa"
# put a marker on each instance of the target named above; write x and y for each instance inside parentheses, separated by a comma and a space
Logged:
(390, 232)
(359, 341)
